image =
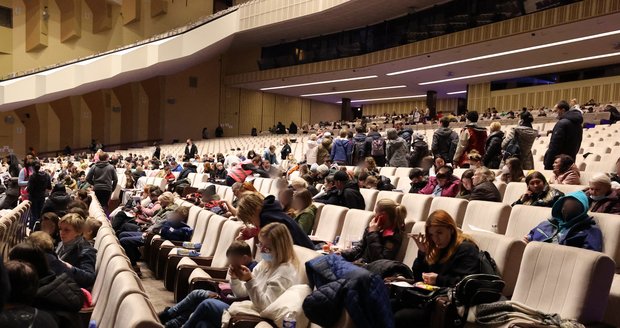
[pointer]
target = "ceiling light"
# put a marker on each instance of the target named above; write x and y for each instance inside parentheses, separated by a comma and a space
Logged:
(456, 92)
(352, 91)
(519, 69)
(380, 99)
(320, 82)
(510, 52)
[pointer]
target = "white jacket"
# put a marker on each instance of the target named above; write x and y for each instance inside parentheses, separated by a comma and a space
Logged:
(311, 153)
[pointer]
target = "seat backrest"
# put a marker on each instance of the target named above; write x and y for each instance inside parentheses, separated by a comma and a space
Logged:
(393, 195)
(610, 227)
(136, 311)
(110, 255)
(265, 188)
(387, 170)
(403, 172)
(116, 265)
(192, 179)
(193, 215)
(417, 206)
(404, 244)
(124, 284)
(488, 216)
(524, 218)
(330, 222)
(501, 187)
(229, 233)
(370, 198)
(567, 189)
(412, 248)
(355, 222)
(258, 182)
(454, 206)
(304, 255)
(209, 243)
(569, 281)
(202, 221)
(317, 216)
(507, 253)
(514, 191)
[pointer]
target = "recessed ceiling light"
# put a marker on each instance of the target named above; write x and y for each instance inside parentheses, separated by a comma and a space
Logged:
(510, 52)
(519, 69)
(319, 82)
(352, 91)
(387, 98)
(456, 92)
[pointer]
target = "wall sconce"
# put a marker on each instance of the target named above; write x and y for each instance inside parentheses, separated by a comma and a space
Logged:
(45, 14)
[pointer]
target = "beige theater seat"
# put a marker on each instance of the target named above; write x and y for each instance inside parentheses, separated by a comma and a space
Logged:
(612, 314)
(330, 223)
(454, 206)
(135, 311)
(403, 172)
(570, 281)
(411, 253)
(514, 191)
(317, 216)
(487, 216)
(393, 195)
(524, 218)
(388, 171)
(370, 198)
(417, 206)
(610, 228)
(355, 223)
(125, 283)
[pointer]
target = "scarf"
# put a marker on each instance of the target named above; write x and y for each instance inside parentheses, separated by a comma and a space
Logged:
(65, 248)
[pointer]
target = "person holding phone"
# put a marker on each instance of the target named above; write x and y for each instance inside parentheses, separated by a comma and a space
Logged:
(272, 276)
(445, 257)
(382, 238)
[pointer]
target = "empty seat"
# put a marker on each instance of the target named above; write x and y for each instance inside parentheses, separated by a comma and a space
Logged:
(370, 198)
(387, 170)
(487, 216)
(135, 311)
(454, 206)
(330, 223)
(514, 191)
(265, 187)
(403, 172)
(612, 315)
(417, 206)
(125, 283)
(610, 228)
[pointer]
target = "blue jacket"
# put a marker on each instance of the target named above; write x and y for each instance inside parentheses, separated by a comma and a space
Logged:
(177, 231)
(580, 231)
(343, 285)
(341, 150)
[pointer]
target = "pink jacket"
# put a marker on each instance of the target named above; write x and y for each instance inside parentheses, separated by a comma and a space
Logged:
(570, 177)
(450, 191)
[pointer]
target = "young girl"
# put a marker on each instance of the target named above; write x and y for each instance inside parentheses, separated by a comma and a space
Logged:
(383, 236)
(272, 276)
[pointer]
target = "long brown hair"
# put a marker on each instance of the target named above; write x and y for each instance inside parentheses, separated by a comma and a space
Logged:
(434, 254)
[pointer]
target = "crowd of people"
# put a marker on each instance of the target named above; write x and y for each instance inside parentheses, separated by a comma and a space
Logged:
(51, 273)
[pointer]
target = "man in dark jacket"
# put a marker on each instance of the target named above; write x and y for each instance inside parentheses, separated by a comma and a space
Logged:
(567, 134)
(292, 129)
(445, 141)
(57, 201)
(405, 133)
(348, 191)
(38, 183)
(419, 150)
(272, 212)
(376, 145)
(190, 150)
(361, 145)
(102, 176)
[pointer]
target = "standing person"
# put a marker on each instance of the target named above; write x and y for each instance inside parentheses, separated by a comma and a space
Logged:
(292, 129)
(472, 137)
(312, 150)
(397, 149)
(13, 162)
(341, 149)
(102, 176)
(419, 150)
(525, 136)
(219, 131)
(190, 150)
(377, 145)
(38, 184)
(405, 133)
(493, 149)
(157, 152)
(361, 147)
(24, 176)
(325, 148)
(445, 141)
(567, 134)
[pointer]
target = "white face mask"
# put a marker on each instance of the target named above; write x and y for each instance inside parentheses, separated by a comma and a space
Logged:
(597, 198)
(268, 257)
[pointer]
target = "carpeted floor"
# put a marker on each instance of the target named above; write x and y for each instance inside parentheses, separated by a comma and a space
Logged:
(158, 294)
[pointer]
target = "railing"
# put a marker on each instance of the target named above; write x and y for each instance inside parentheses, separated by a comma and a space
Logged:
(108, 148)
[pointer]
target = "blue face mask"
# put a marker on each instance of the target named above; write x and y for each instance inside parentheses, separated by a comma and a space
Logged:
(267, 257)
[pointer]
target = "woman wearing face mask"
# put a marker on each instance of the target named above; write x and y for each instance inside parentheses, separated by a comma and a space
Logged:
(257, 212)
(603, 199)
(272, 276)
(538, 193)
(445, 257)
(382, 238)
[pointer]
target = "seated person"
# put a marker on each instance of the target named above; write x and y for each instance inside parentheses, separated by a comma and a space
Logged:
(445, 257)
(272, 276)
(91, 227)
(538, 193)
(211, 201)
(418, 181)
(512, 171)
(143, 223)
(49, 225)
(484, 188)
(285, 197)
(565, 171)
(172, 227)
(371, 182)
(76, 253)
(569, 225)
(57, 201)
(305, 211)
(603, 199)
(466, 185)
(383, 237)
(220, 172)
(137, 213)
(329, 193)
(444, 183)
(238, 254)
(18, 311)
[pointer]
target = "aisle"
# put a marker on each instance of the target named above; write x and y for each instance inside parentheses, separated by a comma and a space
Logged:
(159, 296)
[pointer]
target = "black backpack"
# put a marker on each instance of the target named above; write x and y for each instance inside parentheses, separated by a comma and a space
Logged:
(359, 151)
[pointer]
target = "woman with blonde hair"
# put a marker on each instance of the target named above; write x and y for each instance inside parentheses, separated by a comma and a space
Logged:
(273, 275)
(257, 211)
(484, 187)
(383, 237)
(445, 257)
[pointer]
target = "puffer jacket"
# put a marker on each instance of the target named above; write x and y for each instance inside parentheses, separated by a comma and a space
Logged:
(351, 197)
(580, 231)
(343, 285)
(546, 198)
(525, 138)
(610, 204)
(311, 152)
(58, 293)
(397, 151)
(486, 191)
(406, 134)
(493, 150)
(324, 150)
(565, 138)
(450, 191)
(57, 203)
(420, 150)
(444, 143)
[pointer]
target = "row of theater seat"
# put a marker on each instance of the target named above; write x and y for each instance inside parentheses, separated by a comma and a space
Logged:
(13, 228)
(118, 295)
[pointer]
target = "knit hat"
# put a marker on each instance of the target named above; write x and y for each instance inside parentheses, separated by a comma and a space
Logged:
(322, 169)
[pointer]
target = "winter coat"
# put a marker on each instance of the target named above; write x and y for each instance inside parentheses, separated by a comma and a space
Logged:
(525, 138)
(306, 218)
(580, 231)
(102, 176)
(351, 197)
(286, 149)
(311, 152)
(486, 191)
(57, 203)
(420, 150)
(82, 257)
(267, 155)
(341, 151)
(493, 150)
(177, 231)
(343, 285)
(464, 261)
(610, 204)
(38, 183)
(406, 134)
(570, 177)
(390, 268)
(472, 137)
(546, 198)
(565, 138)
(58, 293)
(360, 148)
(444, 143)
(324, 150)
(377, 245)
(272, 212)
(190, 152)
(372, 136)
(450, 191)
(396, 152)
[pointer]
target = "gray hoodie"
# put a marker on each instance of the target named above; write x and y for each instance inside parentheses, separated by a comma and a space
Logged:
(102, 176)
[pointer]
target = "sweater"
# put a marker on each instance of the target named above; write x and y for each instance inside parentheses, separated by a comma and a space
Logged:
(102, 176)
(266, 285)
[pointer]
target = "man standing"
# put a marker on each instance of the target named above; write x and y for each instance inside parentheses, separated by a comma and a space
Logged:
(472, 137)
(102, 176)
(190, 150)
(567, 134)
(445, 141)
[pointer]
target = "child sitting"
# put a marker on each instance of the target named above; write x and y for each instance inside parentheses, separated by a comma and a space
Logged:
(76, 253)
(239, 253)
(49, 224)
(91, 227)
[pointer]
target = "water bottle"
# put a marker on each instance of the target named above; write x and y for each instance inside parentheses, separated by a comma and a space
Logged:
(289, 320)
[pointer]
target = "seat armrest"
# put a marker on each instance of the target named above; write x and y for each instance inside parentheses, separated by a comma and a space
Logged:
(171, 268)
(247, 321)
(181, 281)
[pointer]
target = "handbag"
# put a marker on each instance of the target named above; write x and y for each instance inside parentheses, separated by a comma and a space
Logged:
(414, 297)
(476, 289)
